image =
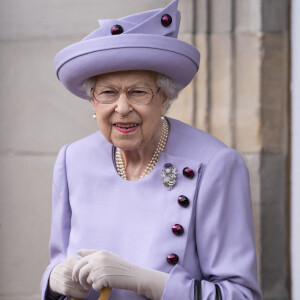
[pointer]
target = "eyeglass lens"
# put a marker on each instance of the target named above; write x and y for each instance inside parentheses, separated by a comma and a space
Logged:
(140, 95)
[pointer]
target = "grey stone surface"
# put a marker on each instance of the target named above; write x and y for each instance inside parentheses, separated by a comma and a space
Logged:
(37, 113)
(247, 92)
(25, 185)
(273, 230)
(274, 15)
(225, 16)
(221, 16)
(201, 15)
(186, 8)
(248, 16)
(274, 92)
(220, 85)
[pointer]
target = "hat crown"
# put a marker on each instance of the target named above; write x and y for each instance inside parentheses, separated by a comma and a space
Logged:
(149, 22)
(143, 41)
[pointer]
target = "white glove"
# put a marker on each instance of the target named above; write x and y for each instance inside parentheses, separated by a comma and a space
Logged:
(61, 282)
(102, 268)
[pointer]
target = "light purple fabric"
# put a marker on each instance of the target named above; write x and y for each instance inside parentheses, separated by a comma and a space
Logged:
(145, 44)
(93, 207)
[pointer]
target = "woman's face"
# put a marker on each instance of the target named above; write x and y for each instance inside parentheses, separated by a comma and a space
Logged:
(126, 125)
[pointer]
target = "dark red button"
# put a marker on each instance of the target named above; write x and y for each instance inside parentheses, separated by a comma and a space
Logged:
(178, 229)
(116, 29)
(166, 20)
(183, 201)
(189, 173)
(172, 259)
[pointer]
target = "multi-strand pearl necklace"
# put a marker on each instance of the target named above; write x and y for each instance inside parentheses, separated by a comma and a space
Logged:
(160, 148)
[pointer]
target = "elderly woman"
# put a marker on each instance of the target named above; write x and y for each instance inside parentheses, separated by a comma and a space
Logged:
(148, 206)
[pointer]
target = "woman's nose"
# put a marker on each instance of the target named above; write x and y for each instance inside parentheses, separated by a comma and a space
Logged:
(123, 105)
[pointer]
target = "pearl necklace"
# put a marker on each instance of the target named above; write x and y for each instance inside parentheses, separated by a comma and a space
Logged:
(160, 148)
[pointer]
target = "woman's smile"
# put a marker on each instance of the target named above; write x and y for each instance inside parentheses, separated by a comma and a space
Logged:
(126, 127)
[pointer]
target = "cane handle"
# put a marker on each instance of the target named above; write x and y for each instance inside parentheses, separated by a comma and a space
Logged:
(105, 292)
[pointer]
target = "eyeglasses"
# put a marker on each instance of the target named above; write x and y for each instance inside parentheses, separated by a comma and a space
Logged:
(136, 95)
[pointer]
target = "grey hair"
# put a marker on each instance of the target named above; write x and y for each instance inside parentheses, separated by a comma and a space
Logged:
(88, 85)
(166, 85)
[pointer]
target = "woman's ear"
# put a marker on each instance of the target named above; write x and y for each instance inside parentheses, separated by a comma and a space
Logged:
(93, 104)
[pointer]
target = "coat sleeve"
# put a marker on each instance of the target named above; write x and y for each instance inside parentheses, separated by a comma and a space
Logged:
(61, 218)
(224, 235)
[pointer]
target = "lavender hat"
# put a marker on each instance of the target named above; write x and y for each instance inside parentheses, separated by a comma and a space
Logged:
(143, 41)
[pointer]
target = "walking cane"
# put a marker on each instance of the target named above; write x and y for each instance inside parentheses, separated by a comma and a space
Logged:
(105, 292)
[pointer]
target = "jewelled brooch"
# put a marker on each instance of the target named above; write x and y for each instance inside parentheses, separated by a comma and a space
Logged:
(169, 174)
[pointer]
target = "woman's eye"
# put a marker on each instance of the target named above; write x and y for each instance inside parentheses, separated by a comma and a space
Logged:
(138, 92)
(108, 92)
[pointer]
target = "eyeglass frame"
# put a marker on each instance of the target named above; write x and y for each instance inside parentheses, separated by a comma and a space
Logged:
(127, 94)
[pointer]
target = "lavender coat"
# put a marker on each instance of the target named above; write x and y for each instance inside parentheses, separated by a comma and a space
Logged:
(94, 208)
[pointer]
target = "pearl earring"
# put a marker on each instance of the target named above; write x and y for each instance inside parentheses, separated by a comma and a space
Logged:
(94, 116)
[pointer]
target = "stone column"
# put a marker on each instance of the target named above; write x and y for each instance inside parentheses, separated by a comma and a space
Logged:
(241, 96)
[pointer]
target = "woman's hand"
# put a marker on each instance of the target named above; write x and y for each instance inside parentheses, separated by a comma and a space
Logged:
(102, 268)
(61, 282)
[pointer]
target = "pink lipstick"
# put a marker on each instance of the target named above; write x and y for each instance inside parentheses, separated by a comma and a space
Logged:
(126, 127)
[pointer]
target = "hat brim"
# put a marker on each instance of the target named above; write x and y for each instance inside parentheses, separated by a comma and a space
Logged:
(174, 58)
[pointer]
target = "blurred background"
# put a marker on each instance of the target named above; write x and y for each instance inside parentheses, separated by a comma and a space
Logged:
(246, 93)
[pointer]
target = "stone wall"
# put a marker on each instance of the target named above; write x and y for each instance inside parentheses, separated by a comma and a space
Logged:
(240, 95)
(242, 98)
